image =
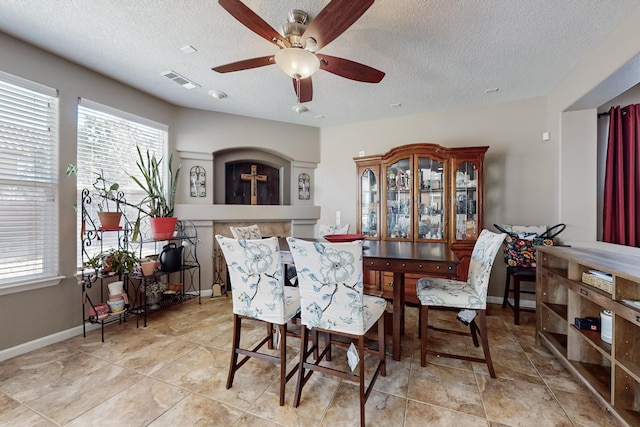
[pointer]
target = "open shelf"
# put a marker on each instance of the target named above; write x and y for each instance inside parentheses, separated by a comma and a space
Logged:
(598, 376)
(557, 341)
(610, 371)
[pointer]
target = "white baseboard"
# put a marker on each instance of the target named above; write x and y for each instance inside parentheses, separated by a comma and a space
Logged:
(55, 338)
(526, 303)
(44, 341)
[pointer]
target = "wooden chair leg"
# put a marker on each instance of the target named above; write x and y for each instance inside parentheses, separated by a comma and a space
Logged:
(507, 287)
(516, 300)
(237, 327)
(474, 333)
(304, 343)
(283, 360)
(270, 335)
(482, 319)
(382, 351)
(424, 325)
(363, 398)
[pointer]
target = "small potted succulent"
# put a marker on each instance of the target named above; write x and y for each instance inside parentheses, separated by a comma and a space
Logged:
(153, 292)
(108, 198)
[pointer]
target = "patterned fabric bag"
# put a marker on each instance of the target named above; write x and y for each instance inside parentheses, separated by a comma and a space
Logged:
(520, 244)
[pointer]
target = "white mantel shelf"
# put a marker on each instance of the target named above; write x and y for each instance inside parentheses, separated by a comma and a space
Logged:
(247, 212)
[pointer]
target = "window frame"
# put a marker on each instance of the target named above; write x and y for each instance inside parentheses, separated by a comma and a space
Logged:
(20, 131)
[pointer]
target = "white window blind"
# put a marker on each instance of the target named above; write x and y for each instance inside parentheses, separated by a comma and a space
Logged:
(107, 140)
(28, 181)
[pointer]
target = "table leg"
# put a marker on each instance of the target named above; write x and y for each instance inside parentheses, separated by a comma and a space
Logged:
(398, 312)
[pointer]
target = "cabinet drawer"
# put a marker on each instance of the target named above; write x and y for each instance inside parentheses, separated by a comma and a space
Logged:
(418, 267)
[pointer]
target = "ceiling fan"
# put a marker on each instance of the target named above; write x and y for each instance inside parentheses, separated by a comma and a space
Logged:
(299, 43)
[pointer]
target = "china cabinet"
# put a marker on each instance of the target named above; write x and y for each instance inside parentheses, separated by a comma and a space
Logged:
(606, 360)
(421, 193)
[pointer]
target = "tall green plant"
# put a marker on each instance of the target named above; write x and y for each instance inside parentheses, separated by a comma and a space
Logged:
(159, 200)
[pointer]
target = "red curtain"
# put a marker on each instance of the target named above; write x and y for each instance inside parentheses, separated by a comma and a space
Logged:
(622, 178)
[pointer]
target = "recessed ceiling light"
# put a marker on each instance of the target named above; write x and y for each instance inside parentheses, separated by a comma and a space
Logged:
(320, 116)
(299, 109)
(491, 90)
(217, 94)
(188, 49)
(396, 105)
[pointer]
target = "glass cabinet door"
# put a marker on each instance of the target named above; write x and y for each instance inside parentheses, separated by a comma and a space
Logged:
(370, 203)
(431, 199)
(399, 199)
(466, 201)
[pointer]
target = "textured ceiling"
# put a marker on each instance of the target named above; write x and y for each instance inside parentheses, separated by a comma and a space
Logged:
(437, 54)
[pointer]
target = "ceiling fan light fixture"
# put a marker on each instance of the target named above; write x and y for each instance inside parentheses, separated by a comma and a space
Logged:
(297, 62)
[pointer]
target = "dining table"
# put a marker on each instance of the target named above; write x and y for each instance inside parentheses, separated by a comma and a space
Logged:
(401, 257)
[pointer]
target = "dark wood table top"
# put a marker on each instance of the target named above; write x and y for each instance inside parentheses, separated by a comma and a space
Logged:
(409, 251)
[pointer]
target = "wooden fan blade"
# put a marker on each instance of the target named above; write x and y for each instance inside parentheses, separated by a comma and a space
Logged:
(246, 64)
(304, 89)
(252, 21)
(350, 69)
(334, 19)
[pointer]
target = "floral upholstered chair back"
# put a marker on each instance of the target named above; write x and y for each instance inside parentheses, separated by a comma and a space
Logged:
(257, 284)
(482, 257)
(250, 232)
(330, 285)
(325, 229)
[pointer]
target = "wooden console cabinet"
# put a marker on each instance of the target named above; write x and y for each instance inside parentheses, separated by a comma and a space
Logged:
(421, 193)
(610, 371)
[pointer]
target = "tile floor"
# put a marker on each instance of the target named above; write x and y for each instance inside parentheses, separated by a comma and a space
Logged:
(173, 372)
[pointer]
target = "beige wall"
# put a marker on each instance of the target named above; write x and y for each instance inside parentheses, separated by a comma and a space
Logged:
(41, 314)
(607, 72)
(524, 175)
(520, 172)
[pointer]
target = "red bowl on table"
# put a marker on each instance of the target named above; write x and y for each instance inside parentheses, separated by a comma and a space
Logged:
(343, 237)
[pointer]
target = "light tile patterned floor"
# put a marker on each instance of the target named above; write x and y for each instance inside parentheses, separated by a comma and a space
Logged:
(174, 371)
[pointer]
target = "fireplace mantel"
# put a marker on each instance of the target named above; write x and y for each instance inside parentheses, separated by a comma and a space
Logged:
(235, 213)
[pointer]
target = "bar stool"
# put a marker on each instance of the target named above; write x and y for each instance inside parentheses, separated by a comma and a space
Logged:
(519, 274)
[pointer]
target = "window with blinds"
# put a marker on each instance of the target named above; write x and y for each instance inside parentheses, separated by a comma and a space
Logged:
(107, 140)
(28, 182)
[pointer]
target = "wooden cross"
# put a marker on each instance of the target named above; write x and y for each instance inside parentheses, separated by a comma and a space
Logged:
(254, 178)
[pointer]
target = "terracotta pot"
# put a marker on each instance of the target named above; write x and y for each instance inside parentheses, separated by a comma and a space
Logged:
(109, 220)
(163, 228)
(148, 267)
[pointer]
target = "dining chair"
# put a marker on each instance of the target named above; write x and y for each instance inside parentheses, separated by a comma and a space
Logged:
(249, 232)
(333, 303)
(258, 293)
(324, 229)
(470, 295)
(520, 259)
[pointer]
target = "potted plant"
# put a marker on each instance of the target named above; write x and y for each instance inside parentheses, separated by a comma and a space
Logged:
(159, 202)
(107, 196)
(153, 292)
(113, 262)
(148, 266)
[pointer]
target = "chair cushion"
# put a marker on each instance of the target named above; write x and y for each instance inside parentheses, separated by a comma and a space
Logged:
(257, 282)
(526, 232)
(325, 229)
(331, 289)
(449, 293)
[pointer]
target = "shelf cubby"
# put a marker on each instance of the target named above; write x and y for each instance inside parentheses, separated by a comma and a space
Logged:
(610, 370)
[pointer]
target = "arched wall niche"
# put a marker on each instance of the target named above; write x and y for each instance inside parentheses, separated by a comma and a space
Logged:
(250, 154)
